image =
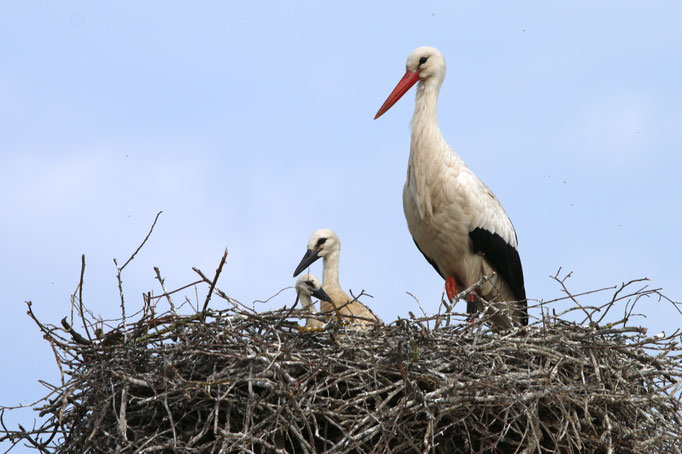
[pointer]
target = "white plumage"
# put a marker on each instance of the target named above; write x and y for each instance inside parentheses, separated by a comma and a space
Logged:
(455, 219)
(308, 286)
(326, 244)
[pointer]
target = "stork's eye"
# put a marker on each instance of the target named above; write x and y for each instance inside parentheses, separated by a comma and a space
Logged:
(310, 284)
(320, 242)
(423, 60)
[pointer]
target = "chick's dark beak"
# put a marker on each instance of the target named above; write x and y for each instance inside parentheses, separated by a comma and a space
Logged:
(321, 295)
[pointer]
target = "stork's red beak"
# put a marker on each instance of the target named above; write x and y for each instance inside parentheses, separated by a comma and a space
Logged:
(410, 78)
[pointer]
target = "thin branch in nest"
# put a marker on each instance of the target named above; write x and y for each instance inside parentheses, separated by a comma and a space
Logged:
(81, 311)
(74, 334)
(215, 279)
(268, 299)
(215, 289)
(165, 292)
(617, 297)
(151, 229)
(562, 282)
(120, 269)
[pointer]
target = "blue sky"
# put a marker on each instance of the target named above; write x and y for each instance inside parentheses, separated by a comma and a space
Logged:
(250, 125)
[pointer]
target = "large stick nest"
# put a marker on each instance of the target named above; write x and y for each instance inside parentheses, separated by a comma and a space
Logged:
(241, 381)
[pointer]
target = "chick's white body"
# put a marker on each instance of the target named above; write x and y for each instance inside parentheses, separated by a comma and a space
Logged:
(306, 285)
(326, 244)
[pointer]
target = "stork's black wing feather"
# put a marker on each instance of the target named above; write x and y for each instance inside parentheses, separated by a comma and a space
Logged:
(505, 259)
(428, 259)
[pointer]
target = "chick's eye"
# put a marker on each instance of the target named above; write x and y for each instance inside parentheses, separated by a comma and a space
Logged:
(423, 60)
(320, 242)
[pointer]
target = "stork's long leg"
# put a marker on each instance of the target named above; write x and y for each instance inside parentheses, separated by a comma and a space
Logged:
(451, 288)
(471, 305)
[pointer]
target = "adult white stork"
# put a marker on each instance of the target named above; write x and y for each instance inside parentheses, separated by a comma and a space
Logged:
(308, 286)
(455, 220)
(326, 244)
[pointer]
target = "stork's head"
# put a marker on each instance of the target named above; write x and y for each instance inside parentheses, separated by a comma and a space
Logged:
(323, 243)
(427, 61)
(310, 285)
(425, 64)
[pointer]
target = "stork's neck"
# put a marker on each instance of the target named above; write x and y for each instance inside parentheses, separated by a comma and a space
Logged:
(330, 270)
(426, 136)
(307, 302)
(426, 102)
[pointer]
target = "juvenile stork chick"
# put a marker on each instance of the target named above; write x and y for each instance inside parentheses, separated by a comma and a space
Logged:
(308, 286)
(325, 243)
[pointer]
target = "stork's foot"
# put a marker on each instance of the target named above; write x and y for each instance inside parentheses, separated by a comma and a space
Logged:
(451, 288)
(308, 329)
